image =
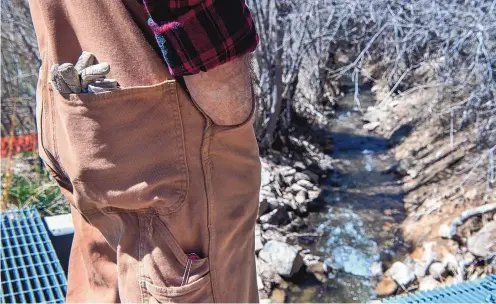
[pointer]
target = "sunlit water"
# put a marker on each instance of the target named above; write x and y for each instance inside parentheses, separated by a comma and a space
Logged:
(363, 209)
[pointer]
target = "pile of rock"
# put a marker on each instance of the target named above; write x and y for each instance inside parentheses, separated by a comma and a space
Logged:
(434, 264)
(287, 194)
(286, 188)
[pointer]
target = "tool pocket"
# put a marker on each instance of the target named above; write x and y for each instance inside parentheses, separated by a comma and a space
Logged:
(122, 149)
(168, 274)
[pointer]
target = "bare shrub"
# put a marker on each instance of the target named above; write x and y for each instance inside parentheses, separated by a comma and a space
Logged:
(412, 45)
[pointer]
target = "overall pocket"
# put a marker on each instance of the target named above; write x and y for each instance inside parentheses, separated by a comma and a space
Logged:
(122, 149)
(168, 274)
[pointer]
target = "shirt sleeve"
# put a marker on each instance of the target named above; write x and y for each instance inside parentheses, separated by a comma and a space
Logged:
(198, 35)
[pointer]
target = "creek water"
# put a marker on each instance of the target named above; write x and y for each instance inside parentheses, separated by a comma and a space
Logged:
(359, 223)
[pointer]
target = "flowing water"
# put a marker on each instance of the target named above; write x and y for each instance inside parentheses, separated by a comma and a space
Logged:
(363, 210)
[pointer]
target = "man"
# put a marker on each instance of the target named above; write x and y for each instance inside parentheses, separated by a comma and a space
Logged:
(163, 182)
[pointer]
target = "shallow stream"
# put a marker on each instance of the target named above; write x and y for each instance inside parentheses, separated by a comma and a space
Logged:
(363, 210)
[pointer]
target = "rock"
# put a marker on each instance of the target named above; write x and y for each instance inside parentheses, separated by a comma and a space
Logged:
(428, 283)
(305, 184)
(313, 194)
(401, 273)
(371, 125)
(386, 287)
(277, 216)
(301, 197)
(266, 178)
(263, 206)
(258, 243)
(283, 285)
(437, 270)
(445, 231)
(317, 267)
(273, 203)
(321, 277)
(467, 259)
(471, 194)
(432, 252)
(278, 296)
(265, 191)
(451, 280)
(450, 263)
(483, 243)
(301, 176)
(313, 176)
(283, 257)
(299, 165)
(307, 252)
(259, 283)
(288, 196)
(420, 269)
(286, 171)
(295, 188)
(288, 179)
(309, 258)
(297, 223)
(292, 205)
(376, 269)
(267, 273)
(272, 234)
(374, 115)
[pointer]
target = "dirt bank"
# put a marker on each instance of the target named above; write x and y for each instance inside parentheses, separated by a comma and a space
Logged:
(449, 199)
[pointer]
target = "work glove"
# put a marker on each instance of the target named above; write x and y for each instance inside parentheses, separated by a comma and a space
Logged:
(83, 77)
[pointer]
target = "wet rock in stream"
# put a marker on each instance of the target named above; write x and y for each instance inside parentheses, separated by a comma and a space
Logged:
(351, 260)
(285, 258)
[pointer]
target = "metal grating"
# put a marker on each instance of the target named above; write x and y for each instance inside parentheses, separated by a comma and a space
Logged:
(479, 291)
(30, 269)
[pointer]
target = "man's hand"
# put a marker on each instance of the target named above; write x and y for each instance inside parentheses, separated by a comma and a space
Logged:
(225, 92)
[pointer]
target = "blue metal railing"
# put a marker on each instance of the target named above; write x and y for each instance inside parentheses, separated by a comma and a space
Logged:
(30, 269)
(479, 291)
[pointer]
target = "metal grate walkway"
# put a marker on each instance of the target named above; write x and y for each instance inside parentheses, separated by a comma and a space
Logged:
(30, 269)
(479, 291)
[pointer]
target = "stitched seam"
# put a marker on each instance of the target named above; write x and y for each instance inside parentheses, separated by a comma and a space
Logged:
(207, 171)
(180, 146)
(171, 242)
(97, 98)
(51, 161)
(116, 210)
(170, 292)
(140, 259)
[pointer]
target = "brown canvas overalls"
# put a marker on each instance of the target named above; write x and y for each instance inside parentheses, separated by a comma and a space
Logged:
(149, 177)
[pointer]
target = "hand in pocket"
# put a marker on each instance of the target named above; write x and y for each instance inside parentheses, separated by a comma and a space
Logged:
(224, 93)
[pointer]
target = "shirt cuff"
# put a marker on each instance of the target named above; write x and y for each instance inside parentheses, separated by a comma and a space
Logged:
(207, 35)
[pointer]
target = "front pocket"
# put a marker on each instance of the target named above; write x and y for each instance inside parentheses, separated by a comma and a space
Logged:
(196, 292)
(167, 275)
(124, 148)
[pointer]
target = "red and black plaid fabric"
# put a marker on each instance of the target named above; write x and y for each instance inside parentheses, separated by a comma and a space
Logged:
(198, 35)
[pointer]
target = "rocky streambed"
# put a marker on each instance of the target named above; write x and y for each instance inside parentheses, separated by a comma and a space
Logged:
(329, 224)
(396, 205)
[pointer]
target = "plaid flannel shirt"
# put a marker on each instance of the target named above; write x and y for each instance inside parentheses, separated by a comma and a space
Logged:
(198, 35)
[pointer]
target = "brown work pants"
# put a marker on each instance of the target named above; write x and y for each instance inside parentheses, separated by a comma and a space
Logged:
(150, 178)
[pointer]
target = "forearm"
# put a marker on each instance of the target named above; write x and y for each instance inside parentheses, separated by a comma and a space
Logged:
(224, 93)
